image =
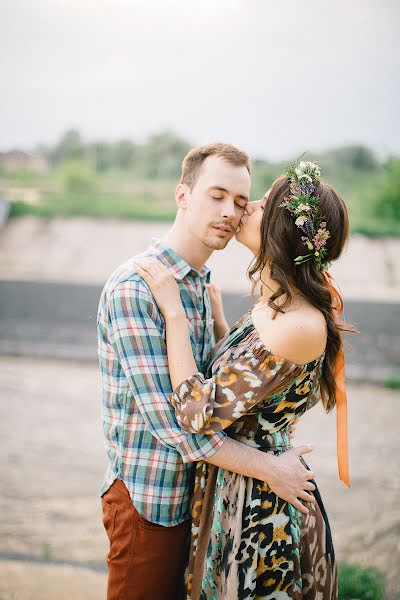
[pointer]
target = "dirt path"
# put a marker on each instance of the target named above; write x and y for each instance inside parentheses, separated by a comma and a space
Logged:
(87, 250)
(53, 465)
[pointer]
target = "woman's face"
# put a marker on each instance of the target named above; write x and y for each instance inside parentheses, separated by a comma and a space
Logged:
(249, 233)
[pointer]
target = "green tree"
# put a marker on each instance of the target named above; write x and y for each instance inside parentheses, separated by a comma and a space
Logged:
(162, 156)
(70, 147)
(101, 155)
(125, 153)
(357, 158)
(387, 192)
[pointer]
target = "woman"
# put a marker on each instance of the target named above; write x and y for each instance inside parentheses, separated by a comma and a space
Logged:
(273, 365)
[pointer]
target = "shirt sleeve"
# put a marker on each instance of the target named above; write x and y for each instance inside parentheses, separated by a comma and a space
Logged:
(138, 340)
(251, 376)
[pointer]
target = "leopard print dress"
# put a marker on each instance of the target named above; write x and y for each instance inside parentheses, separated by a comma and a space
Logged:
(246, 542)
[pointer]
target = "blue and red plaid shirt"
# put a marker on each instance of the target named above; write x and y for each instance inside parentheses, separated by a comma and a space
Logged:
(146, 447)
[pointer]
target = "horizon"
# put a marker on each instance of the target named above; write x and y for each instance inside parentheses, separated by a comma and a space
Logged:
(37, 149)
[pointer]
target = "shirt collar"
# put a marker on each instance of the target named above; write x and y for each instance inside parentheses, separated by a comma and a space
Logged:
(178, 265)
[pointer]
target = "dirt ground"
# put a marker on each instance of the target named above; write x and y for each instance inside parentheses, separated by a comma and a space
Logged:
(54, 461)
(83, 250)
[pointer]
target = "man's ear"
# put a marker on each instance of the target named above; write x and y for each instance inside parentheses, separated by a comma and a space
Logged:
(182, 194)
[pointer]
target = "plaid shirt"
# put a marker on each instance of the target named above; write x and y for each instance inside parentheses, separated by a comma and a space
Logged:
(146, 447)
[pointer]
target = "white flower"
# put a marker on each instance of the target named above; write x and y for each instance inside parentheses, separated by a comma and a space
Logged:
(305, 176)
(303, 208)
(300, 220)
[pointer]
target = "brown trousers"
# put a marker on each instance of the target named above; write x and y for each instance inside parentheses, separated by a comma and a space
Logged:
(146, 561)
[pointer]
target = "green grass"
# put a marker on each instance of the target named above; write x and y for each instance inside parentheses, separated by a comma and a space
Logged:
(360, 583)
(74, 191)
(151, 205)
(393, 382)
(154, 203)
(46, 551)
(98, 205)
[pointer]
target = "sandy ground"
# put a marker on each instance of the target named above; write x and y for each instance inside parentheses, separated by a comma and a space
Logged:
(29, 581)
(88, 250)
(54, 460)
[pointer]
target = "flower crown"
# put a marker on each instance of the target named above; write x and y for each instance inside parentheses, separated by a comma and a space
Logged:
(304, 206)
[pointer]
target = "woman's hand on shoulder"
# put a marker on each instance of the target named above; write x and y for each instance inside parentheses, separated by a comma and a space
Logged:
(162, 285)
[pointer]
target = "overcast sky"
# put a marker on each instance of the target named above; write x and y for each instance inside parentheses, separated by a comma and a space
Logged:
(275, 77)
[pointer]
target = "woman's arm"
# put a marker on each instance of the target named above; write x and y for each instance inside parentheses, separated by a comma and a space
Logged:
(221, 326)
(167, 295)
(179, 349)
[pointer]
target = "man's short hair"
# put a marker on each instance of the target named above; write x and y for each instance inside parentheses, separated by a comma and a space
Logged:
(193, 160)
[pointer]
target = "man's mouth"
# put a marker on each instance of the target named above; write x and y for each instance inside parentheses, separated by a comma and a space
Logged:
(222, 229)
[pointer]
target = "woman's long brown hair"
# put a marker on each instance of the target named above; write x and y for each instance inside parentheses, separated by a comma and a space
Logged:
(281, 243)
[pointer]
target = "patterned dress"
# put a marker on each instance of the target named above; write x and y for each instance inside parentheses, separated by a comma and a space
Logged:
(246, 542)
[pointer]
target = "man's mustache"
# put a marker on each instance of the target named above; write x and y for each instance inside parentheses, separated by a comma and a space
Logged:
(224, 226)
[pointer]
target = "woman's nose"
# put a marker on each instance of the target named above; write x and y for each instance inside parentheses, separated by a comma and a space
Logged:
(251, 207)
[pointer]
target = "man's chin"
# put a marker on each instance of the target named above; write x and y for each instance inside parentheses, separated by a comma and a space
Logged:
(217, 243)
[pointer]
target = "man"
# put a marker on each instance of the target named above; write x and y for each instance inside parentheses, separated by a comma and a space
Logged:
(147, 487)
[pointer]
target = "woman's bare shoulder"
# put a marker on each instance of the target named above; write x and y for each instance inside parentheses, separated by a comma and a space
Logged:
(300, 336)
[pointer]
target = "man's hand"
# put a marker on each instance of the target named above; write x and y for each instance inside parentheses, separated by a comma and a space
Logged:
(286, 475)
(290, 480)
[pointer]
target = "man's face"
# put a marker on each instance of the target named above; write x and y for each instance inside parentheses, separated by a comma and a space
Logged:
(217, 202)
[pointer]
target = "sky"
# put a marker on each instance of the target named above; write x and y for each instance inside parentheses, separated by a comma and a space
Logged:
(274, 78)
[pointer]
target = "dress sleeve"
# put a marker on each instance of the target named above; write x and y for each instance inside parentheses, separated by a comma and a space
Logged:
(247, 378)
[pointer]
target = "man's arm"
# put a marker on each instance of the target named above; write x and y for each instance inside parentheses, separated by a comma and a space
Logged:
(285, 474)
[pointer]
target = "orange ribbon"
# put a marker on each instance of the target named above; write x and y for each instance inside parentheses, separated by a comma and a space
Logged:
(341, 397)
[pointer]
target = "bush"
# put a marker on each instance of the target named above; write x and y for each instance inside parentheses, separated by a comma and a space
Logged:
(392, 382)
(76, 176)
(360, 583)
(23, 176)
(387, 192)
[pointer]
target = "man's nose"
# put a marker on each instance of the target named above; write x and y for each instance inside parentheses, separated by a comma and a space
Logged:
(228, 209)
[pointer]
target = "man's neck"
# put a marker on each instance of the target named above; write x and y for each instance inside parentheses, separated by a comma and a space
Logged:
(191, 249)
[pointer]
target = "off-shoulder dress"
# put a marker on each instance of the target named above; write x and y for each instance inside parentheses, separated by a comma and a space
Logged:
(246, 542)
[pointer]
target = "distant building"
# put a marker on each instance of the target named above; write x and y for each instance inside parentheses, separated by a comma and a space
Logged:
(17, 159)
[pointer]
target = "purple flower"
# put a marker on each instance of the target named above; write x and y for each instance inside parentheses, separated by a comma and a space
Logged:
(307, 189)
(308, 228)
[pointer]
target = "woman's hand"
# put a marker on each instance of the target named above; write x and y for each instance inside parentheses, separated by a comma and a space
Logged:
(220, 323)
(162, 285)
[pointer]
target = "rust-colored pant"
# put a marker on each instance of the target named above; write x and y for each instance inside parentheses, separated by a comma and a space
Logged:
(146, 561)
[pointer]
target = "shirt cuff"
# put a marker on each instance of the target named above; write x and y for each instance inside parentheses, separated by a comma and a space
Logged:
(204, 446)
